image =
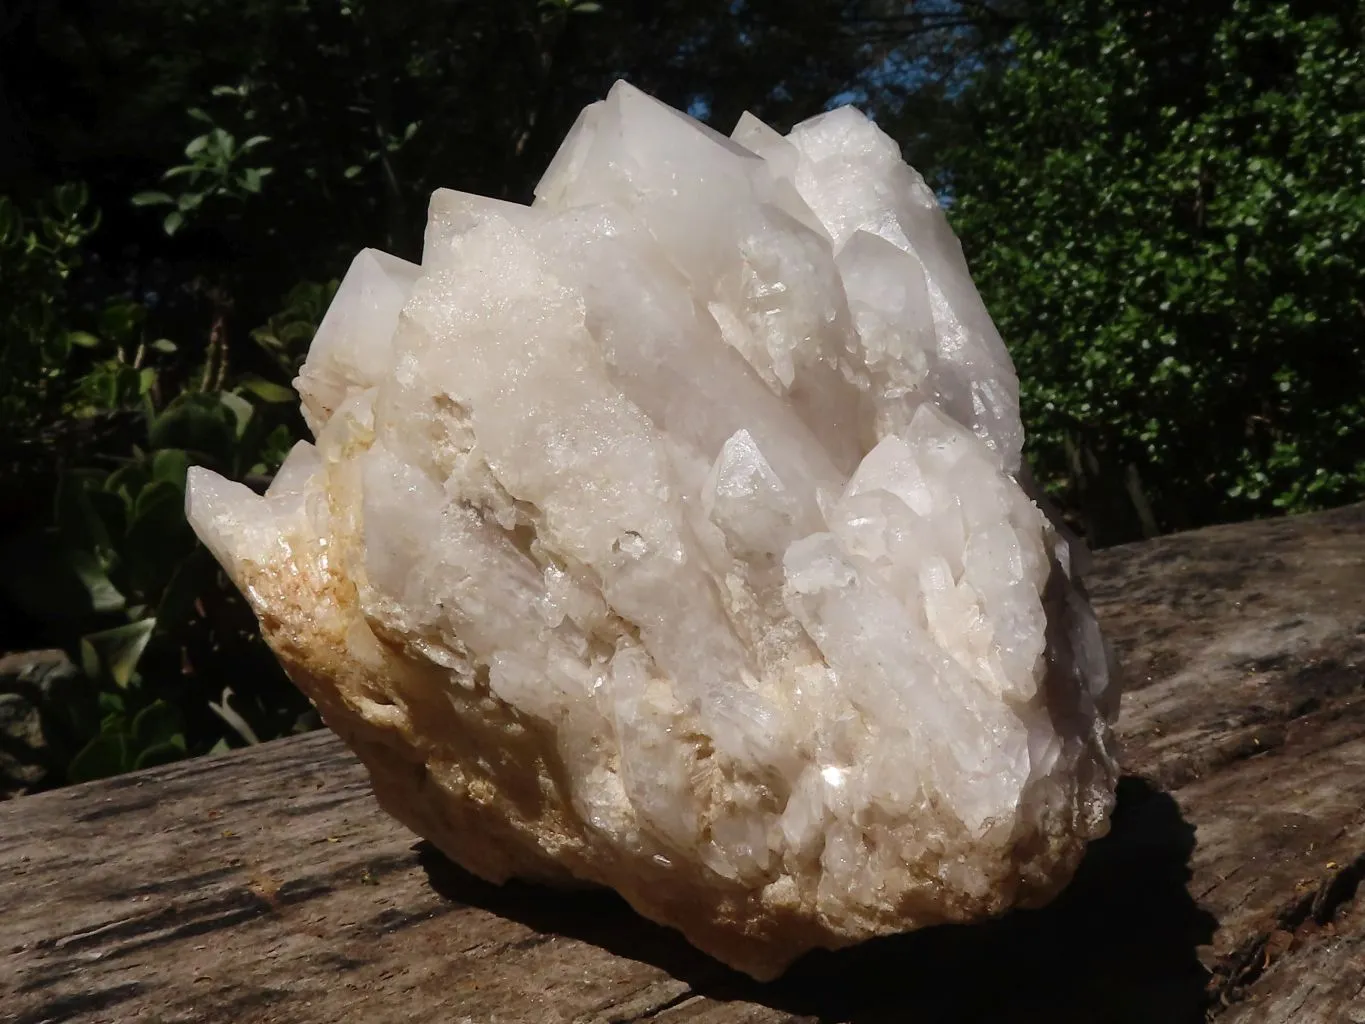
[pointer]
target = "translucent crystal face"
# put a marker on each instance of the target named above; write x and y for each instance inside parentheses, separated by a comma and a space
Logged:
(668, 534)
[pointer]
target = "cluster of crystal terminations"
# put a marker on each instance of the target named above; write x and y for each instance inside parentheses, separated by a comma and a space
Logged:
(667, 534)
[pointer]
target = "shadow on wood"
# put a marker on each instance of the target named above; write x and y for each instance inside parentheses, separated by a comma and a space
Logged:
(1118, 945)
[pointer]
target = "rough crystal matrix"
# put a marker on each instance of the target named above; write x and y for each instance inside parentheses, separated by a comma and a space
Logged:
(668, 534)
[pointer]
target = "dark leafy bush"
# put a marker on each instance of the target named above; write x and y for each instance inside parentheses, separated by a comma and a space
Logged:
(1163, 207)
(108, 418)
(40, 247)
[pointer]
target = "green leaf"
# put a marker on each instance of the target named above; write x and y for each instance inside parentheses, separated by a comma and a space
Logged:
(155, 497)
(276, 447)
(103, 597)
(70, 199)
(170, 465)
(158, 723)
(269, 391)
(104, 756)
(164, 345)
(197, 422)
(161, 753)
(173, 222)
(52, 582)
(242, 411)
(126, 481)
(151, 199)
(158, 537)
(116, 651)
(121, 319)
(297, 332)
(82, 339)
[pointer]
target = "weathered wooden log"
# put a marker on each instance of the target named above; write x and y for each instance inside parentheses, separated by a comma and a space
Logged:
(266, 886)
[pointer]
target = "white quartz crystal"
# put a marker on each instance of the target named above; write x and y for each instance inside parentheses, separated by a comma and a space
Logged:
(668, 534)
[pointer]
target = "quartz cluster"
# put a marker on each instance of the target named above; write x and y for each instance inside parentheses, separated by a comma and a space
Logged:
(671, 534)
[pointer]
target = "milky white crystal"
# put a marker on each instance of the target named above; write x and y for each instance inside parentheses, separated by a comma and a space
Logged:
(668, 534)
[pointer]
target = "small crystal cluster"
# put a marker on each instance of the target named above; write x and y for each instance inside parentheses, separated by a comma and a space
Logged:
(669, 534)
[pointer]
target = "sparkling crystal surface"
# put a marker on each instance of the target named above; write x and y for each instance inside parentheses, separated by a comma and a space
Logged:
(669, 534)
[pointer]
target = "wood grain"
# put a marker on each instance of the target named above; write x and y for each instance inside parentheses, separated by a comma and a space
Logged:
(265, 885)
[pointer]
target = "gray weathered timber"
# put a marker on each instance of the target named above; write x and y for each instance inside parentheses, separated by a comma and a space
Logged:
(266, 886)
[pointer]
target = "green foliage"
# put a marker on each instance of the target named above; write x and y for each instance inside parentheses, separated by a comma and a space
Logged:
(118, 575)
(217, 170)
(40, 247)
(171, 661)
(285, 336)
(1163, 210)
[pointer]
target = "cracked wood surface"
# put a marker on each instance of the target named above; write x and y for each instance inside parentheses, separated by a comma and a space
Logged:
(265, 885)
